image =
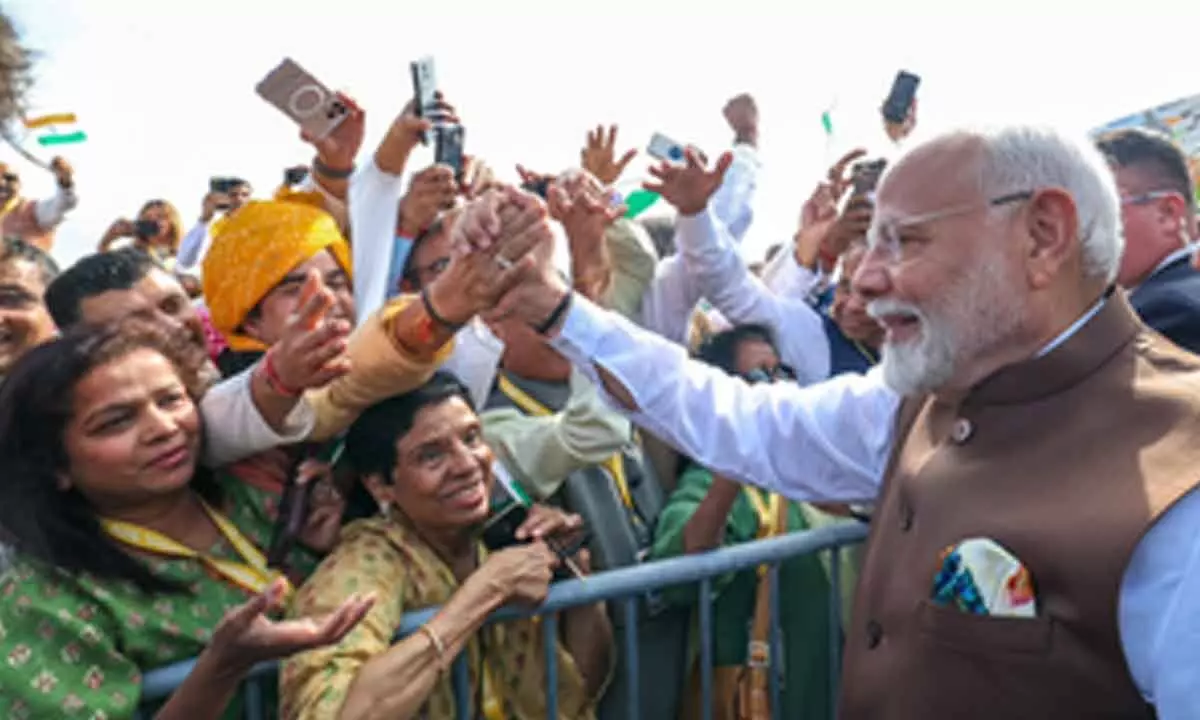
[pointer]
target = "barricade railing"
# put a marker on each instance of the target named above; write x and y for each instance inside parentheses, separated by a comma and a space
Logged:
(625, 585)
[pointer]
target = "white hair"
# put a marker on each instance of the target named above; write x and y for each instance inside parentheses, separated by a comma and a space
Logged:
(1024, 158)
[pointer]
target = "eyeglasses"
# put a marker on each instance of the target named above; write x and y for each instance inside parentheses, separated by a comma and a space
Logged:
(1147, 197)
(10, 177)
(886, 236)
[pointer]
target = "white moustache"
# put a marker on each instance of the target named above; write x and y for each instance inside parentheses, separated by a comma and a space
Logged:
(879, 309)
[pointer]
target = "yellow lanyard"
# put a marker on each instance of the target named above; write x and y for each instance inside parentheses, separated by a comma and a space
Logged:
(493, 709)
(9, 206)
(768, 515)
(250, 575)
(615, 464)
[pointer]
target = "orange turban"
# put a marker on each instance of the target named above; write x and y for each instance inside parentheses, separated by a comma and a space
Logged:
(254, 249)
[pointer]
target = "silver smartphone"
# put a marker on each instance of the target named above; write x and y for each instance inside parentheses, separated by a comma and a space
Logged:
(303, 98)
(666, 149)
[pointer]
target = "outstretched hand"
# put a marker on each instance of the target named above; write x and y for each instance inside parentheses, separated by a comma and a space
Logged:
(599, 155)
(689, 185)
(246, 636)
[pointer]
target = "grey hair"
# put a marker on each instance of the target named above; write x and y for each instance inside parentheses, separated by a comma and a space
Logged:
(1024, 158)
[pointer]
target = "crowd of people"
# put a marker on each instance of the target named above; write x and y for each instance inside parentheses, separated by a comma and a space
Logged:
(270, 435)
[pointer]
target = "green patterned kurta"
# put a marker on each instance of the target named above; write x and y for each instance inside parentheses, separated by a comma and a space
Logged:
(76, 646)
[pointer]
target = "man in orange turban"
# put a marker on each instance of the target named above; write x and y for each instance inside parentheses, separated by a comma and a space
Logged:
(258, 262)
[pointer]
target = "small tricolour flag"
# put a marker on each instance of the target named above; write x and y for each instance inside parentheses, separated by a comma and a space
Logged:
(55, 129)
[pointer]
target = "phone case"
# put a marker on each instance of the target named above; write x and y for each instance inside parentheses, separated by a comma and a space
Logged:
(449, 148)
(665, 149)
(303, 98)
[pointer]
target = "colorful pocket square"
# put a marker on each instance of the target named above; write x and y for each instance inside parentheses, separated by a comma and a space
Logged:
(979, 576)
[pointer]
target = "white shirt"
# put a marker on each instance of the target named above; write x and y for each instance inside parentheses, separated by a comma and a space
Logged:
(50, 212)
(723, 278)
(234, 427)
(668, 302)
(193, 247)
(843, 430)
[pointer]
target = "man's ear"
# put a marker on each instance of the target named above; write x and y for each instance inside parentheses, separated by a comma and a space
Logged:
(1052, 223)
(63, 483)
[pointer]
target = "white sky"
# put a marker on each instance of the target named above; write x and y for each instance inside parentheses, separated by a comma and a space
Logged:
(165, 90)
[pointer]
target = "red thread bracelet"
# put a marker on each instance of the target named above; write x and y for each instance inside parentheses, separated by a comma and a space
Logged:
(273, 378)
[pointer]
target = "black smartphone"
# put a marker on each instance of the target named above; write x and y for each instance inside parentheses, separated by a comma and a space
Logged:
(900, 100)
(145, 229)
(448, 149)
(864, 176)
(424, 80)
(295, 175)
(500, 530)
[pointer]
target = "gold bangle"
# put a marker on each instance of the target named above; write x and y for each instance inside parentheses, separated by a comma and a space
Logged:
(439, 647)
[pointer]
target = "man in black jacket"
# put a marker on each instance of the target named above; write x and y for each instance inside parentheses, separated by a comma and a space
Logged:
(1158, 208)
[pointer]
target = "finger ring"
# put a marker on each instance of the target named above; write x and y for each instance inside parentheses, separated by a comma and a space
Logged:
(504, 262)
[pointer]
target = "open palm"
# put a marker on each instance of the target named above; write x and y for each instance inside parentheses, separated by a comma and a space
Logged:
(689, 186)
(247, 636)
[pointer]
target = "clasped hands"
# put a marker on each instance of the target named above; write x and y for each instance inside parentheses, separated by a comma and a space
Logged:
(501, 261)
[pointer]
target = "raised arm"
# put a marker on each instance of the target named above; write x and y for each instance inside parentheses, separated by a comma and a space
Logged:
(826, 442)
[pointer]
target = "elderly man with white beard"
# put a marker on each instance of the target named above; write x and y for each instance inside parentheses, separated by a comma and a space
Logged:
(1031, 447)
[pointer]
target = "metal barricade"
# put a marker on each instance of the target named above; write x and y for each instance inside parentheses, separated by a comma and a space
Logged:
(623, 585)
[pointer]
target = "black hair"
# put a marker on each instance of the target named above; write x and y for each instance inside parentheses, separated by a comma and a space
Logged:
(91, 276)
(16, 71)
(46, 523)
(720, 349)
(1153, 153)
(662, 233)
(371, 441)
(14, 248)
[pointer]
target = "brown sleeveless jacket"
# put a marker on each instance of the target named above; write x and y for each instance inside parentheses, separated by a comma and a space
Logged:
(1066, 461)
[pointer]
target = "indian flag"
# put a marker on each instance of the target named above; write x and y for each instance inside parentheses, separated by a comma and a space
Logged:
(56, 129)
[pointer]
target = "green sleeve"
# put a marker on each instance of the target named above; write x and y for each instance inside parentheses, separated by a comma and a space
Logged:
(668, 537)
(59, 650)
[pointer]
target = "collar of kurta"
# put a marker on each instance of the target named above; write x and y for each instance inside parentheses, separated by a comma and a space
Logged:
(1080, 355)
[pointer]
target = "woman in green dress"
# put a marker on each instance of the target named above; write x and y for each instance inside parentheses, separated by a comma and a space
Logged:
(706, 512)
(126, 559)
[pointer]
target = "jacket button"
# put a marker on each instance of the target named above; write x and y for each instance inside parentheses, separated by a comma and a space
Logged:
(874, 634)
(906, 518)
(962, 431)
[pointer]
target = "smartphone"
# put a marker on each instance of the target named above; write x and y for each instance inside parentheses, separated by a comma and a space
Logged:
(666, 149)
(424, 81)
(448, 148)
(295, 175)
(145, 229)
(500, 531)
(900, 100)
(864, 176)
(303, 98)
(222, 185)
